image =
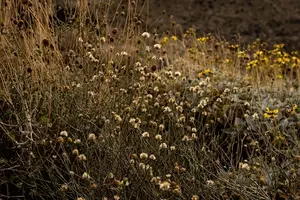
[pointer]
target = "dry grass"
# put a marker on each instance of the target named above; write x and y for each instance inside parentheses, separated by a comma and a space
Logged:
(98, 108)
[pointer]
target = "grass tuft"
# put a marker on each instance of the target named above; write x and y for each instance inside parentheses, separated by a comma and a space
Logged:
(96, 104)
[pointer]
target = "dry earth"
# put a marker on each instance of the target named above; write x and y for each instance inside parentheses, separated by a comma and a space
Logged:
(273, 21)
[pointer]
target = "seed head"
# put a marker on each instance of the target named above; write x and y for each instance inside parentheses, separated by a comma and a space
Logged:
(75, 152)
(60, 139)
(114, 31)
(145, 134)
(165, 185)
(152, 157)
(158, 137)
(86, 176)
(163, 146)
(146, 35)
(195, 197)
(92, 137)
(64, 133)
(82, 157)
(143, 156)
(157, 46)
(64, 188)
(45, 42)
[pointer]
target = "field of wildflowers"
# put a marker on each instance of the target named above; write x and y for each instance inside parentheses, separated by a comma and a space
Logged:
(101, 107)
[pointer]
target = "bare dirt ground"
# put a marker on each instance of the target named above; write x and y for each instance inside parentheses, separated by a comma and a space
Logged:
(273, 21)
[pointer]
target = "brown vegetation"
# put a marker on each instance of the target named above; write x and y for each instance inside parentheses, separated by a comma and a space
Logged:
(104, 107)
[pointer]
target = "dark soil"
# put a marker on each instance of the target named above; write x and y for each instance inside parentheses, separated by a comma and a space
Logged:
(273, 21)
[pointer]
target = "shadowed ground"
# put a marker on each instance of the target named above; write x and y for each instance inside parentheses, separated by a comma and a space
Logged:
(274, 21)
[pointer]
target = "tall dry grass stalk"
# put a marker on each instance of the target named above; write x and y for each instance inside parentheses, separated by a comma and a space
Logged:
(97, 108)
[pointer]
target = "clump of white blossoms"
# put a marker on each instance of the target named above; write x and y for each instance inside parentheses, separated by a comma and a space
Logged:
(152, 157)
(147, 49)
(135, 122)
(203, 103)
(158, 137)
(82, 157)
(165, 185)
(143, 156)
(255, 116)
(64, 133)
(235, 89)
(177, 73)
(91, 93)
(145, 134)
(157, 46)
(64, 188)
(91, 137)
(167, 109)
(247, 104)
(210, 182)
(102, 39)
(138, 64)
(163, 146)
(91, 57)
(244, 166)
(85, 176)
(77, 141)
(161, 127)
(124, 53)
(172, 148)
(146, 34)
(80, 39)
(142, 166)
(226, 91)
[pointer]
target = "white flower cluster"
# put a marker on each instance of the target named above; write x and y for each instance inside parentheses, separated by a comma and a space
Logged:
(90, 56)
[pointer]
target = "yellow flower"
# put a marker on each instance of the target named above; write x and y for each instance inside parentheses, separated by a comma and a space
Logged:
(279, 76)
(278, 46)
(252, 64)
(258, 54)
(205, 73)
(294, 109)
(202, 39)
(174, 38)
(270, 114)
(164, 40)
(227, 60)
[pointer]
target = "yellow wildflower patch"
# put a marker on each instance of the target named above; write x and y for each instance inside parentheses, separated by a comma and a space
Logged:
(164, 40)
(174, 38)
(202, 39)
(205, 73)
(271, 114)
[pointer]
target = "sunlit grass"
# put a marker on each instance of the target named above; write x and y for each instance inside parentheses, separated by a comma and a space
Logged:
(99, 109)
